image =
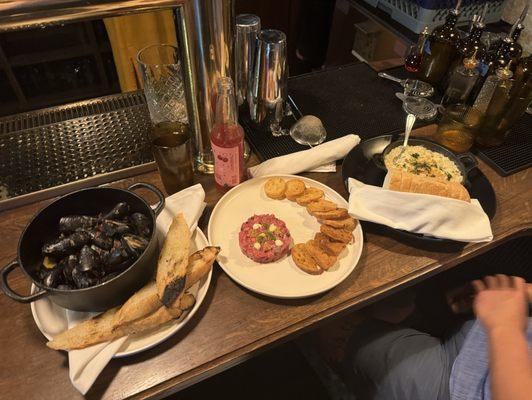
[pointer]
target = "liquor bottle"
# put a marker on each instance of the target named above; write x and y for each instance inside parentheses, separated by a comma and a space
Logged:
(415, 55)
(500, 78)
(471, 43)
(227, 139)
(500, 53)
(461, 82)
(516, 49)
(509, 49)
(440, 50)
(522, 75)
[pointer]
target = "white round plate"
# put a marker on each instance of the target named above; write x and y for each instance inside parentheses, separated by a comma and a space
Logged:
(282, 279)
(51, 318)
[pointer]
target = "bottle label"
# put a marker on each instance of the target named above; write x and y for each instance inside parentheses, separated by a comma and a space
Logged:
(426, 47)
(227, 166)
(482, 68)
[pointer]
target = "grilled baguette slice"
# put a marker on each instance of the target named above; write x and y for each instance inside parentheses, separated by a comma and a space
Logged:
(102, 329)
(339, 213)
(173, 262)
(324, 260)
(335, 234)
(327, 245)
(146, 300)
(304, 261)
(348, 223)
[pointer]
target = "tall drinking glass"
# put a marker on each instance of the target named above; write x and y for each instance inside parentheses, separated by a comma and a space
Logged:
(163, 83)
(163, 88)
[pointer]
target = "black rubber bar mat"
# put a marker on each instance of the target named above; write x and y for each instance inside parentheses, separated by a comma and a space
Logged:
(516, 152)
(348, 99)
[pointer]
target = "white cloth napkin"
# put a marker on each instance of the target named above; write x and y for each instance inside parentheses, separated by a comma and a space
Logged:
(307, 160)
(430, 215)
(86, 364)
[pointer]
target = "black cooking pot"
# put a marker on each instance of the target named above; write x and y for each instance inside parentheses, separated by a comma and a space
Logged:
(44, 227)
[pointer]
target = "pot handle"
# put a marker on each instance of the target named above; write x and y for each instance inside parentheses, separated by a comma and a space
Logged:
(10, 293)
(468, 160)
(152, 189)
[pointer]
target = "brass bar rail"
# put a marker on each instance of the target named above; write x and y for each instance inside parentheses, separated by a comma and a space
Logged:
(25, 14)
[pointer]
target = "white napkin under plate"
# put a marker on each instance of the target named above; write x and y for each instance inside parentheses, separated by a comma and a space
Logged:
(429, 215)
(86, 364)
(307, 160)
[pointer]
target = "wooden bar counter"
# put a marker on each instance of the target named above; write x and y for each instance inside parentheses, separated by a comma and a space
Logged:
(233, 323)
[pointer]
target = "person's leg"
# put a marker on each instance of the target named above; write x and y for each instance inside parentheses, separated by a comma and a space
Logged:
(388, 362)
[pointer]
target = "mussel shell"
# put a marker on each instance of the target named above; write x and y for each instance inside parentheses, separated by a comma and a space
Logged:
(102, 254)
(71, 223)
(141, 223)
(66, 245)
(52, 277)
(69, 265)
(114, 228)
(116, 256)
(119, 210)
(101, 240)
(88, 259)
(82, 279)
(134, 244)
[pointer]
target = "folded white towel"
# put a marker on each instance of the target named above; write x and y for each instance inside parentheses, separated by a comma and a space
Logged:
(307, 160)
(430, 215)
(86, 364)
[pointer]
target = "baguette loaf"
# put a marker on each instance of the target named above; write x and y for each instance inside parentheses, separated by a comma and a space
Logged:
(402, 181)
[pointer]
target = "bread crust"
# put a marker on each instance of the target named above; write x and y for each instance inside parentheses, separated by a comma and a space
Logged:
(275, 188)
(402, 181)
(309, 195)
(327, 245)
(339, 213)
(294, 189)
(321, 205)
(324, 260)
(347, 223)
(304, 261)
(339, 235)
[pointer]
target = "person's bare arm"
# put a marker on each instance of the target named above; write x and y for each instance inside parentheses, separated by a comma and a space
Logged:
(501, 306)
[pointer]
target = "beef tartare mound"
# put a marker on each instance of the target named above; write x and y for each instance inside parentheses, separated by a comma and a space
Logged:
(264, 238)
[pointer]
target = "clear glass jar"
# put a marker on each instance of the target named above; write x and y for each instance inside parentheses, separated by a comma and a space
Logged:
(458, 127)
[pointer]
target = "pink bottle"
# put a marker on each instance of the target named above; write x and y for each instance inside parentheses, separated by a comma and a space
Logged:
(227, 139)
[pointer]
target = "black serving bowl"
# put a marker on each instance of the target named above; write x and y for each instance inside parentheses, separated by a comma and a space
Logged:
(44, 227)
(365, 163)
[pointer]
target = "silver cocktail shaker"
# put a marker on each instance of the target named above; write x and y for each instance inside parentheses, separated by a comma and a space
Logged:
(247, 30)
(268, 92)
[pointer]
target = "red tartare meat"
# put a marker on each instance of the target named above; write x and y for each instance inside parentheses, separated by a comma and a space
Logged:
(264, 238)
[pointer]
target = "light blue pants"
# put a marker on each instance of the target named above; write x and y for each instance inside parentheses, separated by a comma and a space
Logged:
(389, 362)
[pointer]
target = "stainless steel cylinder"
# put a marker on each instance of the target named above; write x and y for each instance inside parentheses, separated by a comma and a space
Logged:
(268, 93)
(247, 30)
(211, 30)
